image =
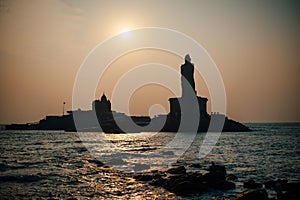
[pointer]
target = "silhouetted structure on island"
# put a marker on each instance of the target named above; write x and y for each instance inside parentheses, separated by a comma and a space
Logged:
(189, 101)
(186, 114)
(102, 105)
(187, 83)
(188, 92)
(106, 118)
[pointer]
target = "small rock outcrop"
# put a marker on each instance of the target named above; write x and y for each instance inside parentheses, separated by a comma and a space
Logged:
(177, 170)
(231, 177)
(216, 178)
(251, 184)
(255, 194)
(182, 182)
(96, 162)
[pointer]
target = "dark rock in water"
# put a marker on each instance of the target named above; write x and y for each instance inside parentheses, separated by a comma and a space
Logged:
(216, 173)
(195, 165)
(140, 167)
(148, 176)
(143, 177)
(181, 162)
(216, 178)
(172, 181)
(181, 182)
(282, 181)
(228, 185)
(195, 177)
(255, 194)
(231, 177)
(213, 177)
(251, 184)
(292, 191)
(184, 184)
(222, 185)
(158, 181)
(177, 170)
(220, 169)
(182, 187)
(271, 184)
(97, 162)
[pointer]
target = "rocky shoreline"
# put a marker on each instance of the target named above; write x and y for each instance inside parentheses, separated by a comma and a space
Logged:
(184, 183)
(92, 178)
(189, 184)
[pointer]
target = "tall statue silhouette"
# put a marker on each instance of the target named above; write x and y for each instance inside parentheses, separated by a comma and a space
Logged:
(187, 72)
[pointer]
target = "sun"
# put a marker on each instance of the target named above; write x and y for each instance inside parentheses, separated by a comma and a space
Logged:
(124, 30)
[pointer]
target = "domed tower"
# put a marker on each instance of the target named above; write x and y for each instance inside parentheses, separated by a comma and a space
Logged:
(103, 105)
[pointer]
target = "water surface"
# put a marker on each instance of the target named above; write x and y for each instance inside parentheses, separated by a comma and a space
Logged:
(43, 164)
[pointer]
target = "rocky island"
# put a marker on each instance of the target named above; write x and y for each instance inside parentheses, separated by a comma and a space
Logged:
(187, 113)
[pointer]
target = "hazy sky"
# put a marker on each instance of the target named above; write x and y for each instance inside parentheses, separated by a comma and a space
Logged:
(255, 45)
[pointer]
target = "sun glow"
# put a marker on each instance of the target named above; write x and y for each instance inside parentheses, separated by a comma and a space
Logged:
(125, 33)
(124, 30)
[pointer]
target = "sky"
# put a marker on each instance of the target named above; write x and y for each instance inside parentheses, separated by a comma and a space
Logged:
(255, 45)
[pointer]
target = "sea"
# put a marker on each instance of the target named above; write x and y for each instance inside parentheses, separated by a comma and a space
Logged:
(60, 165)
